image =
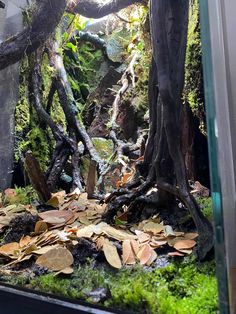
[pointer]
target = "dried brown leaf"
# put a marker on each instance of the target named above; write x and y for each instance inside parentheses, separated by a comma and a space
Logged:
(85, 232)
(175, 254)
(65, 271)
(40, 226)
(152, 258)
(24, 241)
(126, 250)
(153, 227)
(45, 249)
(9, 249)
(135, 246)
(144, 254)
(56, 259)
(191, 235)
(111, 254)
(56, 216)
(184, 245)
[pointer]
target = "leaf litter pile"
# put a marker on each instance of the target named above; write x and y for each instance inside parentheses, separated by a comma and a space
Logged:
(73, 218)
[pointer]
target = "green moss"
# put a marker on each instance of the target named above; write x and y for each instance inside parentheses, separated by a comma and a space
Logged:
(206, 206)
(31, 134)
(193, 91)
(181, 287)
(104, 147)
(23, 196)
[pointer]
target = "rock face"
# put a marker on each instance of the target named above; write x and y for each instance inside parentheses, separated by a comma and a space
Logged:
(10, 23)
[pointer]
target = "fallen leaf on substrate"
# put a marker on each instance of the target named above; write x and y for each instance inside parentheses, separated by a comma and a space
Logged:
(173, 254)
(77, 217)
(144, 254)
(56, 259)
(56, 217)
(111, 254)
(41, 226)
(65, 271)
(191, 236)
(184, 245)
(9, 249)
(45, 249)
(154, 228)
(128, 254)
(24, 241)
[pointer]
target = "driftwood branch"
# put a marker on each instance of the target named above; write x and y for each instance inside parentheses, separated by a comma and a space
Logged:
(36, 177)
(46, 18)
(69, 104)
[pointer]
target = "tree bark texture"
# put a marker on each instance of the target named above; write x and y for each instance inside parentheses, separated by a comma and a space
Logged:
(169, 24)
(47, 16)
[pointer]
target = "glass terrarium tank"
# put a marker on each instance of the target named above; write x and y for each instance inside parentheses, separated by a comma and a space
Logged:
(106, 130)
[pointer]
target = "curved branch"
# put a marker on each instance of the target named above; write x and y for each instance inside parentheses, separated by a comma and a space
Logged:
(97, 9)
(46, 18)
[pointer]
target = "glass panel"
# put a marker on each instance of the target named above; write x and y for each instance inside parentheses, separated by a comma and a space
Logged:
(81, 102)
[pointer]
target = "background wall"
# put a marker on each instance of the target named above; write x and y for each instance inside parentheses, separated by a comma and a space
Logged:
(10, 23)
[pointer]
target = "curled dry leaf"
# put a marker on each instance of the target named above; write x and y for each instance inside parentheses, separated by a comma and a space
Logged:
(111, 254)
(142, 236)
(157, 244)
(45, 249)
(184, 245)
(186, 251)
(56, 259)
(144, 254)
(65, 271)
(127, 250)
(9, 249)
(30, 249)
(56, 216)
(175, 254)
(85, 232)
(54, 202)
(117, 234)
(152, 258)
(191, 236)
(40, 226)
(130, 250)
(20, 259)
(153, 227)
(99, 242)
(135, 246)
(24, 241)
(169, 232)
(172, 241)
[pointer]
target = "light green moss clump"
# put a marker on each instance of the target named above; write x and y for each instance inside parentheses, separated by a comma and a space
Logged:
(24, 196)
(104, 147)
(193, 90)
(181, 288)
(205, 204)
